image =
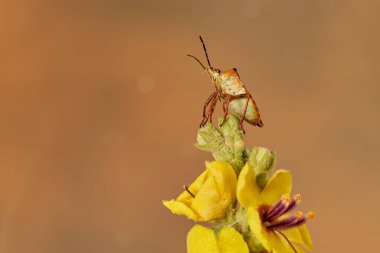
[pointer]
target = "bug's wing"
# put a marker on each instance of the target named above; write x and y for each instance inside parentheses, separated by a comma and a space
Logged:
(252, 115)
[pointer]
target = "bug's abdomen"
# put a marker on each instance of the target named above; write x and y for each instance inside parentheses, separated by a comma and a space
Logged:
(252, 114)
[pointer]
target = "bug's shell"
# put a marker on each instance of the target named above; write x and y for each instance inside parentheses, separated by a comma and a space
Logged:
(231, 84)
(252, 115)
(228, 82)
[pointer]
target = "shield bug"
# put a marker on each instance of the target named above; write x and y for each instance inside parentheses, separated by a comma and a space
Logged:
(231, 90)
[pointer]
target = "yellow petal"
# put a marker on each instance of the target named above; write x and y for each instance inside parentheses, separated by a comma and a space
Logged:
(293, 235)
(278, 185)
(306, 239)
(207, 202)
(299, 235)
(299, 249)
(201, 240)
(278, 243)
(181, 209)
(246, 189)
(224, 175)
(230, 241)
(217, 192)
(255, 224)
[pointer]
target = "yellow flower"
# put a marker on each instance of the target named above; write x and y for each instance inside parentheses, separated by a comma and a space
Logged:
(268, 212)
(204, 240)
(209, 196)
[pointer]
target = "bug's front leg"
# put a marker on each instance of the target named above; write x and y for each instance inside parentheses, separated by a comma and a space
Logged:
(208, 108)
(208, 102)
(210, 111)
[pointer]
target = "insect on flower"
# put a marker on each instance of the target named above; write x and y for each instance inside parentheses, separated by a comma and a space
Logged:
(229, 88)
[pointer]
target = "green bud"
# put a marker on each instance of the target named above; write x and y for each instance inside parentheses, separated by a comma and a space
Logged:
(209, 139)
(231, 128)
(262, 161)
(226, 143)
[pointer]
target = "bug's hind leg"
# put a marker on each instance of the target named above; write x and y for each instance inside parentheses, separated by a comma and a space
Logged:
(226, 104)
(208, 109)
(248, 96)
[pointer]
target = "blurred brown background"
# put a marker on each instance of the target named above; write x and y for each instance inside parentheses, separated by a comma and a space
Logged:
(99, 110)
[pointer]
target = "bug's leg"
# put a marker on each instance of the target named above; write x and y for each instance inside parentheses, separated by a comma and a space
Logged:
(236, 72)
(248, 96)
(207, 102)
(226, 104)
(210, 111)
(206, 116)
(212, 108)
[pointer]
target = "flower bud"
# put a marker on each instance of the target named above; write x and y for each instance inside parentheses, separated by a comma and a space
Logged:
(262, 160)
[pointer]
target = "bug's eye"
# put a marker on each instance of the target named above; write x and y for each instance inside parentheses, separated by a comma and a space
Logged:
(218, 70)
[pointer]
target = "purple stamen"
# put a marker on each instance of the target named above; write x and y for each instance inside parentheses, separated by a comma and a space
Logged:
(278, 209)
(295, 223)
(270, 216)
(291, 206)
(298, 222)
(283, 221)
(275, 207)
(277, 213)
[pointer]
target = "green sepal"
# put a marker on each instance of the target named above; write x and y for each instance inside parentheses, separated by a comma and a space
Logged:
(254, 244)
(241, 219)
(262, 179)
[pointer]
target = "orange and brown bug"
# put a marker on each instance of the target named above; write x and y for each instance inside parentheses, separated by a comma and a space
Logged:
(229, 88)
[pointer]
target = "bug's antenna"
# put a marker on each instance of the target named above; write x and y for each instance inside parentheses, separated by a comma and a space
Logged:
(197, 60)
(204, 48)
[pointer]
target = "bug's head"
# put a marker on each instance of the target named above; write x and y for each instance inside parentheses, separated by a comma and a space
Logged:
(214, 73)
